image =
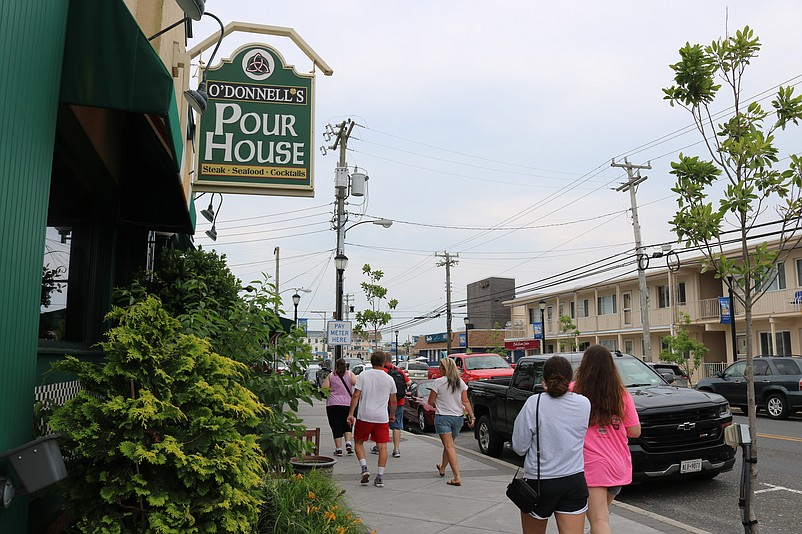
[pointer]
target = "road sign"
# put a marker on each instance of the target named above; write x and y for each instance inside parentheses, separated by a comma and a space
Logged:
(338, 332)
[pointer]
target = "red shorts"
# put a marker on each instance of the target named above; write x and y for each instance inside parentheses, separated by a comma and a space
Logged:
(377, 432)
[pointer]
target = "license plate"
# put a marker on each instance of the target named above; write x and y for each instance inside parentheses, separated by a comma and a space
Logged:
(690, 466)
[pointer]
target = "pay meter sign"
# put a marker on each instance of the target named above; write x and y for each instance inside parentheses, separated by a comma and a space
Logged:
(338, 332)
(255, 136)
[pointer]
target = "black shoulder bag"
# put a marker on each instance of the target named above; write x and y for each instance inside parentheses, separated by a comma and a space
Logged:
(519, 491)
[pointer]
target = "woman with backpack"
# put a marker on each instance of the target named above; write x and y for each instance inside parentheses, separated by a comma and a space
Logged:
(449, 398)
(341, 388)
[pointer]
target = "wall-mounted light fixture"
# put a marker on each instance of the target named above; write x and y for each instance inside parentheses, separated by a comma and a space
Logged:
(211, 215)
(198, 98)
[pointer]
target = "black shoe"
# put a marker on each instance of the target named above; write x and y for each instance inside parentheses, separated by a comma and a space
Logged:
(375, 449)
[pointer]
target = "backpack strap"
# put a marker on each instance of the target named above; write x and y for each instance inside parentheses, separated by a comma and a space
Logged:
(346, 386)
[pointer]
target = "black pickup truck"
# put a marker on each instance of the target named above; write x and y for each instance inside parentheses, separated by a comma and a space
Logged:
(682, 430)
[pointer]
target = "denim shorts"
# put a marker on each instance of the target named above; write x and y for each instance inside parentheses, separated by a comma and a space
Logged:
(398, 424)
(448, 424)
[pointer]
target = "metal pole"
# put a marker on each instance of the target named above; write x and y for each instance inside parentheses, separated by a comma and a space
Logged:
(275, 251)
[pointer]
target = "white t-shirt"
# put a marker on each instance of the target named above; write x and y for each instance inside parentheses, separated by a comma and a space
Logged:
(562, 425)
(448, 402)
(375, 388)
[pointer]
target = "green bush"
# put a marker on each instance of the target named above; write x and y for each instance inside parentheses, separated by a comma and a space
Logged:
(164, 435)
(241, 323)
(307, 504)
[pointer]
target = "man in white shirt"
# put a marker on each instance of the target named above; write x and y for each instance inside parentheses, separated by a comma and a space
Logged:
(374, 390)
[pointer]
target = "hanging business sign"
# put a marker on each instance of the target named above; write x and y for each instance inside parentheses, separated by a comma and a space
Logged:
(255, 136)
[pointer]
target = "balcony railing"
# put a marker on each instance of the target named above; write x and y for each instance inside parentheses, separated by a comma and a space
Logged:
(771, 303)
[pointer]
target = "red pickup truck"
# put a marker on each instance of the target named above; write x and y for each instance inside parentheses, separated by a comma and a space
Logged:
(477, 366)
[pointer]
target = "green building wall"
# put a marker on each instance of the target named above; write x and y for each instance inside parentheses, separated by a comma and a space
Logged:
(31, 49)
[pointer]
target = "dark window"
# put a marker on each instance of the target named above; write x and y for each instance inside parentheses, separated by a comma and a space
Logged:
(736, 370)
(787, 367)
(525, 377)
(761, 367)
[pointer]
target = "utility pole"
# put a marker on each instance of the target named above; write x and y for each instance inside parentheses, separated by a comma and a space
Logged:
(448, 261)
(341, 137)
(633, 179)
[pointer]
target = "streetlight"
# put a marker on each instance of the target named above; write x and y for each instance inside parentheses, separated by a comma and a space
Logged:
(396, 346)
(467, 325)
(542, 305)
(340, 263)
(296, 299)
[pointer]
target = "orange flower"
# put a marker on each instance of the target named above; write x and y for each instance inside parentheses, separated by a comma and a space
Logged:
(311, 495)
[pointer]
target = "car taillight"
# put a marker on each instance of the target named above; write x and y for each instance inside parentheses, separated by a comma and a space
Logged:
(800, 384)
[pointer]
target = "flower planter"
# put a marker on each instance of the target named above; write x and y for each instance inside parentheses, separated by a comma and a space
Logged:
(306, 463)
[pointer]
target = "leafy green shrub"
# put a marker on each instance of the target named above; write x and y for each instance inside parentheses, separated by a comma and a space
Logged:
(198, 289)
(307, 504)
(163, 437)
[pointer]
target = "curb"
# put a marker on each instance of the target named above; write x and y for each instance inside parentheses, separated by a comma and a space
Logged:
(623, 506)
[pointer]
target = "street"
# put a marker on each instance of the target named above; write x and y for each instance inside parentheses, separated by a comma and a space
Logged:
(712, 505)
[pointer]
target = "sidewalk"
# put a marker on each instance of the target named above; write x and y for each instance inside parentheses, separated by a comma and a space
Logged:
(415, 499)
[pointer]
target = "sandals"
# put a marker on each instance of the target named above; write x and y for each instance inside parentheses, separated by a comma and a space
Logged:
(454, 483)
(441, 473)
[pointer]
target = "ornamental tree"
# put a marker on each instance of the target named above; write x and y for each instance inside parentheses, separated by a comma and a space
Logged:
(684, 350)
(746, 162)
(375, 316)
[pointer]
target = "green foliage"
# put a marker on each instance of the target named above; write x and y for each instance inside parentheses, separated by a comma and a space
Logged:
(497, 341)
(307, 504)
(681, 345)
(164, 436)
(374, 317)
(568, 327)
(241, 323)
(743, 153)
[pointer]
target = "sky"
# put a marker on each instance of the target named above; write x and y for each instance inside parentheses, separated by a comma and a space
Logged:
(487, 130)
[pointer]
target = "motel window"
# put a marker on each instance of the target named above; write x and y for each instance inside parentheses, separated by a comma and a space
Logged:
(606, 305)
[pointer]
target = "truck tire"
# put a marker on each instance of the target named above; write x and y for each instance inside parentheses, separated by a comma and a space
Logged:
(489, 442)
(777, 406)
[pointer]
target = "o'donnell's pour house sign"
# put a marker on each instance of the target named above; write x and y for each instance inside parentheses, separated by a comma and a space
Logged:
(255, 136)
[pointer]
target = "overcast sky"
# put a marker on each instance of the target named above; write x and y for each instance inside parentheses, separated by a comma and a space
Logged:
(480, 115)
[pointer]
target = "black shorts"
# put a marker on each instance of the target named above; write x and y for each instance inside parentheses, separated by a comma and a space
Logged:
(565, 495)
(338, 423)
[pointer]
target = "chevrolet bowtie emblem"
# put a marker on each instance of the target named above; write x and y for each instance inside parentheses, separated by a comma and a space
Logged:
(686, 426)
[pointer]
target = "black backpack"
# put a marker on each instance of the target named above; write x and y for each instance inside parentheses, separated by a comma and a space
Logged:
(400, 382)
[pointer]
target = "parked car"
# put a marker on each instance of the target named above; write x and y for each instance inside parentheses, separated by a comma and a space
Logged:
(477, 366)
(358, 368)
(350, 362)
(415, 370)
(417, 411)
(682, 430)
(311, 371)
(673, 373)
(777, 382)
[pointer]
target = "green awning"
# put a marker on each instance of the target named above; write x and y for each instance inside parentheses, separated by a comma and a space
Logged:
(109, 63)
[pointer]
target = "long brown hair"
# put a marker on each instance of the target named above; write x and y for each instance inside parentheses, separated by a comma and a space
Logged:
(599, 381)
(339, 367)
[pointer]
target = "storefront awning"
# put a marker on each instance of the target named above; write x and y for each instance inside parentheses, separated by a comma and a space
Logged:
(109, 63)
